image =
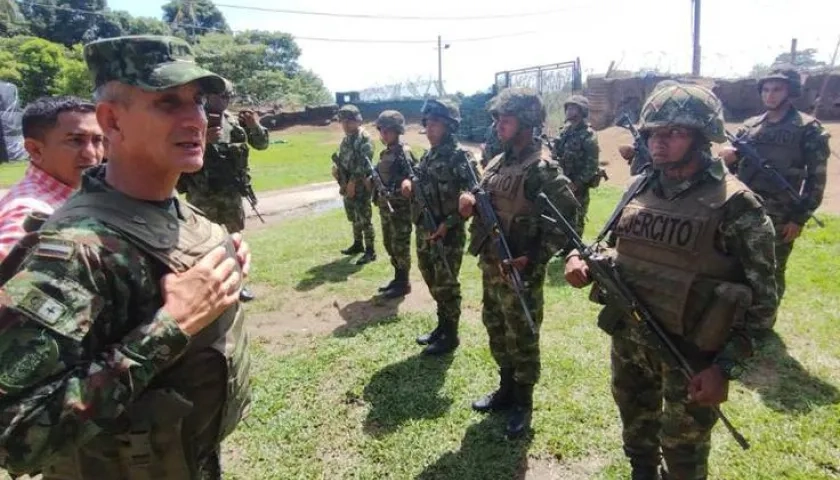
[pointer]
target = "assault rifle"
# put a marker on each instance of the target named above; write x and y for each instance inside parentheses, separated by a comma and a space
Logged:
(611, 287)
(247, 191)
(757, 164)
(491, 224)
(429, 223)
(381, 191)
(642, 158)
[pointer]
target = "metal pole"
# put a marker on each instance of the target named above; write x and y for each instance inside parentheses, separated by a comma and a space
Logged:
(793, 52)
(440, 67)
(695, 66)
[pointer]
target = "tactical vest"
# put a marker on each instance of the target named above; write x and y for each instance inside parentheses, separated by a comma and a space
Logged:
(388, 160)
(781, 145)
(666, 252)
(148, 444)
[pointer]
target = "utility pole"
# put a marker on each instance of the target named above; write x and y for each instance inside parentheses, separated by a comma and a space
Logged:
(695, 64)
(793, 51)
(440, 49)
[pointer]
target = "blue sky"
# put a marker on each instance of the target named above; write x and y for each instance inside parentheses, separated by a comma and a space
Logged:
(735, 34)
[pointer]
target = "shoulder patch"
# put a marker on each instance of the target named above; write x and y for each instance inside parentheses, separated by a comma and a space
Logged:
(26, 356)
(42, 306)
(55, 248)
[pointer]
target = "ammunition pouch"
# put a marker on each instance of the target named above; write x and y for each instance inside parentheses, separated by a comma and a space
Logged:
(724, 311)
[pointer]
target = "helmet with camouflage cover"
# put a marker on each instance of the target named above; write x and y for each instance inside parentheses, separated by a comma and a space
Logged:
(787, 74)
(684, 105)
(579, 100)
(349, 112)
(523, 103)
(391, 119)
(442, 108)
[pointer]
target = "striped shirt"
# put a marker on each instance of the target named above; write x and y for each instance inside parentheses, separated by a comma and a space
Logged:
(37, 191)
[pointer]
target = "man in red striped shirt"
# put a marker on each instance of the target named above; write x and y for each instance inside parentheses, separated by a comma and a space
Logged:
(63, 139)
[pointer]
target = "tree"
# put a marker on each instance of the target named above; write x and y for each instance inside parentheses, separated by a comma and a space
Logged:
(281, 50)
(190, 18)
(39, 67)
(805, 60)
(64, 21)
(12, 21)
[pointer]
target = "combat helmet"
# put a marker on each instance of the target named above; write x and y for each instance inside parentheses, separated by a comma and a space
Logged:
(349, 112)
(684, 105)
(391, 119)
(579, 100)
(523, 103)
(785, 73)
(442, 108)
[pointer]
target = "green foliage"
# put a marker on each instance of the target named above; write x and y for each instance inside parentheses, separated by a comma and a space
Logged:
(190, 18)
(40, 67)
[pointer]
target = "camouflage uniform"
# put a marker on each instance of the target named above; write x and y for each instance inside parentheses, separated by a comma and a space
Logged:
(492, 145)
(797, 147)
(442, 175)
(512, 181)
(396, 225)
(699, 255)
(97, 380)
(576, 149)
(217, 188)
(352, 154)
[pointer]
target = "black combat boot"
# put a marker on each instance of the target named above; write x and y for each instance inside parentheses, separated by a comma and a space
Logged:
(502, 398)
(401, 286)
(519, 418)
(644, 467)
(354, 249)
(369, 256)
(432, 336)
(387, 286)
(246, 295)
(446, 341)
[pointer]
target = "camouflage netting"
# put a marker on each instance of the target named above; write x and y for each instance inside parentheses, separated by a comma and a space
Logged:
(474, 117)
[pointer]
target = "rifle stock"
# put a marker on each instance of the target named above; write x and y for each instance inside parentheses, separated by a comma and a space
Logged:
(378, 184)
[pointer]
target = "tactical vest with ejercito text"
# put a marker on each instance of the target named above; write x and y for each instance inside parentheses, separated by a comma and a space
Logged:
(197, 401)
(666, 251)
(781, 145)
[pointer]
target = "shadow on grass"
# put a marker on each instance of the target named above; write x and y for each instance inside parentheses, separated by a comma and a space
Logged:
(484, 453)
(333, 272)
(406, 391)
(555, 272)
(363, 314)
(782, 382)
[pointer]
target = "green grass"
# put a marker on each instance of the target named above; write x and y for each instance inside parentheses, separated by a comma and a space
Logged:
(10, 173)
(362, 403)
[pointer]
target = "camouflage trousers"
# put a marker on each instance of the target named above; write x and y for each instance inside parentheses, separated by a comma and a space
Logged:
(222, 207)
(359, 212)
(783, 251)
(512, 343)
(396, 232)
(582, 197)
(443, 284)
(640, 382)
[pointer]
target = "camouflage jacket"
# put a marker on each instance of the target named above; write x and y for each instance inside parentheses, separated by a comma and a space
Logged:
(492, 145)
(528, 234)
(225, 161)
(353, 153)
(83, 335)
(443, 176)
(815, 151)
(746, 233)
(576, 148)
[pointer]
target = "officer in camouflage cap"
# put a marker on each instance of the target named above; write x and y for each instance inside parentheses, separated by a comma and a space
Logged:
(352, 171)
(441, 175)
(513, 180)
(796, 145)
(695, 245)
(576, 149)
(217, 189)
(124, 349)
(393, 168)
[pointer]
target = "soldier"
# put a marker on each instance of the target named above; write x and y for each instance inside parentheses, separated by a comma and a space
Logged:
(576, 148)
(695, 245)
(217, 188)
(491, 147)
(513, 180)
(124, 352)
(353, 175)
(442, 176)
(796, 145)
(396, 226)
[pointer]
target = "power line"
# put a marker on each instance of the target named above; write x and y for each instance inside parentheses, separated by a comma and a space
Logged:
(371, 16)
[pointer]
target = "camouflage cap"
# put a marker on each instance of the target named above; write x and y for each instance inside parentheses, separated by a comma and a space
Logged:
(523, 103)
(787, 74)
(684, 105)
(391, 119)
(442, 108)
(150, 62)
(579, 100)
(349, 112)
